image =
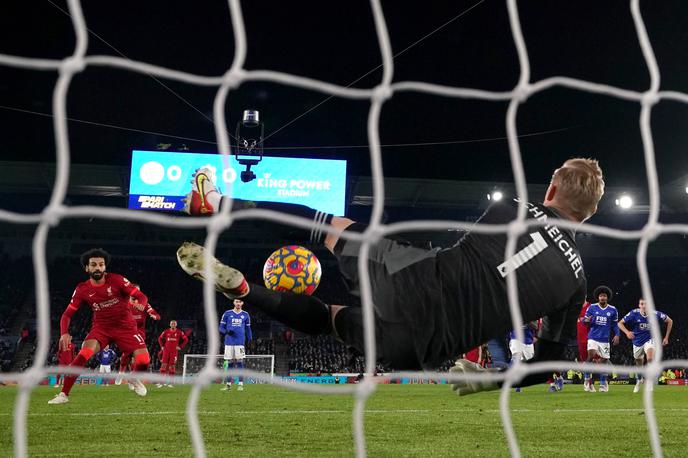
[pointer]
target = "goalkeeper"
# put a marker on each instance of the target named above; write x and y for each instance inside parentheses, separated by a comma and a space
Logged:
(459, 292)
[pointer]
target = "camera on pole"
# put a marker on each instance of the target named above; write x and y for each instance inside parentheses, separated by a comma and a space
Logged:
(249, 150)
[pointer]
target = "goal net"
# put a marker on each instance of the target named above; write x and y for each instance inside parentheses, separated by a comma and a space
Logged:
(206, 369)
(194, 364)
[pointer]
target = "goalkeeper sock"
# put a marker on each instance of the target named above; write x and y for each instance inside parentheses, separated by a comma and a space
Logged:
(304, 313)
(315, 235)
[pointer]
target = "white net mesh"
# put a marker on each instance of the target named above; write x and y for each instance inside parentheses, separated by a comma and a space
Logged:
(235, 75)
(193, 364)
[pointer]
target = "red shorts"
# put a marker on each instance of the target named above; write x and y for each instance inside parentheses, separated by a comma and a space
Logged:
(169, 357)
(128, 339)
(65, 360)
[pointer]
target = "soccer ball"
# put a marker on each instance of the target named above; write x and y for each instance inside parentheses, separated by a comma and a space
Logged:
(292, 268)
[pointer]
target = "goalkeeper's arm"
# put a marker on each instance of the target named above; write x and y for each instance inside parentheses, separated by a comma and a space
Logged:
(545, 350)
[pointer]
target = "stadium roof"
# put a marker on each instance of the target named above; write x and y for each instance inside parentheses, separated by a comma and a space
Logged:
(460, 44)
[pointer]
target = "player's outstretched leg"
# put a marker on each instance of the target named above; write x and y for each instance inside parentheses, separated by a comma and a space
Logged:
(204, 199)
(141, 362)
(228, 281)
(304, 313)
(86, 352)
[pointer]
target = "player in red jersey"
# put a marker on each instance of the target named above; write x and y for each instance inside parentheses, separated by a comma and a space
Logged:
(139, 312)
(171, 341)
(64, 358)
(108, 296)
(582, 329)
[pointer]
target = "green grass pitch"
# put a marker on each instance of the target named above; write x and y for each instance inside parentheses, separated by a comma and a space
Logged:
(401, 420)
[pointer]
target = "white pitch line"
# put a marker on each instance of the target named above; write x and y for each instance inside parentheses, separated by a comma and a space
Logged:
(311, 412)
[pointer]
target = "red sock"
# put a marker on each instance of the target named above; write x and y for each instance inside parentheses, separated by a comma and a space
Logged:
(80, 361)
(124, 362)
(171, 370)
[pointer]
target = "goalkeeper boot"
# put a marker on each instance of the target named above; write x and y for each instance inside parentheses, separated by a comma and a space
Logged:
(60, 398)
(464, 387)
(203, 199)
(228, 281)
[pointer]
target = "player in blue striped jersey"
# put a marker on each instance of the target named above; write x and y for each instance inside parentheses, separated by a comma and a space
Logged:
(525, 350)
(235, 325)
(106, 357)
(603, 318)
(639, 332)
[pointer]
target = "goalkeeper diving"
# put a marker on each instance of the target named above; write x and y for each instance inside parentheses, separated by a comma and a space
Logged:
(459, 291)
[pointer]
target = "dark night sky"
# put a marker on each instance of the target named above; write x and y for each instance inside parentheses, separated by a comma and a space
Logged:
(591, 40)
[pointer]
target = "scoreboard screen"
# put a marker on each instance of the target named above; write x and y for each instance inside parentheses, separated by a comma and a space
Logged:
(159, 180)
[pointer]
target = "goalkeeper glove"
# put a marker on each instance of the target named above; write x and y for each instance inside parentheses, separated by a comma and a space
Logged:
(464, 387)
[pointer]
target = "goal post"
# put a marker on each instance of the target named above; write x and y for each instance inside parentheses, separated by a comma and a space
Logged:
(193, 364)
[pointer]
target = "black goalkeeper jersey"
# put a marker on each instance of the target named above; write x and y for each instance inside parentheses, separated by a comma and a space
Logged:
(472, 280)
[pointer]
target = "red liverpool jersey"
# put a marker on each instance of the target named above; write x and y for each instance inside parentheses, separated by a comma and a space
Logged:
(582, 328)
(171, 339)
(139, 317)
(109, 302)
